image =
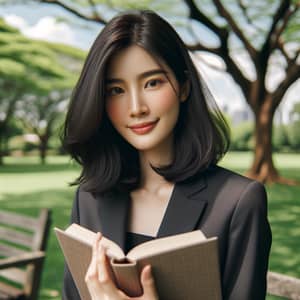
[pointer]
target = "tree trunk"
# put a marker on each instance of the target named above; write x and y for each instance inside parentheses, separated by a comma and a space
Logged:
(263, 168)
(43, 148)
(1, 150)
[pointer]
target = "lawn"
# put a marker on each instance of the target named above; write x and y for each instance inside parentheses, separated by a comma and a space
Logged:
(26, 186)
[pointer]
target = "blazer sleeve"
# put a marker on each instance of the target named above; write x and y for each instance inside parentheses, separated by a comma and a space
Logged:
(246, 266)
(69, 289)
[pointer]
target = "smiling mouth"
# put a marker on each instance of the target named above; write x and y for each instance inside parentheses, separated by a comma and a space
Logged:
(143, 128)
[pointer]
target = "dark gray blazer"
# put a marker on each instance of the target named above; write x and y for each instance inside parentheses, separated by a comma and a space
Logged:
(220, 203)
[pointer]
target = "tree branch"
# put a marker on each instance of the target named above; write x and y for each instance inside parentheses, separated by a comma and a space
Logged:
(235, 28)
(201, 47)
(231, 66)
(237, 75)
(280, 46)
(244, 11)
(284, 6)
(243, 8)
(93, 8)
(198, 15)
(95, 18)
(222, 51)
(297, 54)
(285, 20)
(292, 75)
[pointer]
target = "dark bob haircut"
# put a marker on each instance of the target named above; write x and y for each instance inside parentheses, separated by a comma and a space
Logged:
(201, 135)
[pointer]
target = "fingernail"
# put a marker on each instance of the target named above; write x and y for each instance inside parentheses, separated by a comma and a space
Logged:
(97, 237)
(148, 271)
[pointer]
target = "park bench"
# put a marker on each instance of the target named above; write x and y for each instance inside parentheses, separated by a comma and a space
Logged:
(22, 252)
(283, 286)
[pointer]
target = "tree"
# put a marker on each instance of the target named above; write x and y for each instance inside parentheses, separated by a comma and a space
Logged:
(278, 40)
(40, 118)
(264, 32)
(32, 69)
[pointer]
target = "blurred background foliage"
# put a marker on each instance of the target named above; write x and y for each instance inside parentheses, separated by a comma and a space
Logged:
(36, 78)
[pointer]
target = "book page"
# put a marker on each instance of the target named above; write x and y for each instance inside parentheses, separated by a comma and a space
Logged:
(87, 236)
(161, 245)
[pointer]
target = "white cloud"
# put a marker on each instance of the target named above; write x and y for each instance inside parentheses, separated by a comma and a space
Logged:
(47, 28)
(15, 21)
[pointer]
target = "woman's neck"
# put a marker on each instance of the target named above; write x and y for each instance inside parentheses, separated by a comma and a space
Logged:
(150, 180)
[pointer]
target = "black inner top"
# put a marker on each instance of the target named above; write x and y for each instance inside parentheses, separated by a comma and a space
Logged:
(134, 239)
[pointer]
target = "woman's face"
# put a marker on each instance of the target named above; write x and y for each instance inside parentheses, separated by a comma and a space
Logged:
(142, 99)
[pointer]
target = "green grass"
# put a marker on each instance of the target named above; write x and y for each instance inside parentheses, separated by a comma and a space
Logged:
(26, 186)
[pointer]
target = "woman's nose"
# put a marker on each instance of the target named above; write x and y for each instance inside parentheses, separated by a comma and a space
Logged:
(138, 107)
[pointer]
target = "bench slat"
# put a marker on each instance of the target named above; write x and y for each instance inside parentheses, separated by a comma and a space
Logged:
(283, 285)
(7, 251)
(7, 290)
(16, 237)
(14, 274)
(13, 219)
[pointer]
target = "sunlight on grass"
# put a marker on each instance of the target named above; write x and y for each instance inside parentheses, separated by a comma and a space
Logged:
(19, 184)
(243, 160)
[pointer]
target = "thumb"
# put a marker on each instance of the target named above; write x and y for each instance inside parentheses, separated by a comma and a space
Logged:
(148, 283)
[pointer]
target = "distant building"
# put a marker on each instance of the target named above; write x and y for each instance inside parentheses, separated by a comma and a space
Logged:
(241, 115)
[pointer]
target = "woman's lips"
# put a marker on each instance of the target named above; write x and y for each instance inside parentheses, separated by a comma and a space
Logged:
(143, 128)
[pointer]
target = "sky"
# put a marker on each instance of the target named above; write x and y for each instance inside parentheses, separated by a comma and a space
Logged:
(39, 21)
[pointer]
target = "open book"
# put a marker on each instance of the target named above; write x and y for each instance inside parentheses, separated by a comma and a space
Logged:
(184, 266)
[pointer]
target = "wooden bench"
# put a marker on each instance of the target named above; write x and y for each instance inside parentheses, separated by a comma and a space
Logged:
(22, 245)
(283, 286)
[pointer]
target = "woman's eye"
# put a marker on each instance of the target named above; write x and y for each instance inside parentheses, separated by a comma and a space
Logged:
(114, 91)
(153, 83)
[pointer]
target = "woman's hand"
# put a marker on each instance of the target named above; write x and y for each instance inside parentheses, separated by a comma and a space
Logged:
(99, 278)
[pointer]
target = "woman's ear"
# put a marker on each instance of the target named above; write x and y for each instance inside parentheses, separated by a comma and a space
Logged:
(185, 90)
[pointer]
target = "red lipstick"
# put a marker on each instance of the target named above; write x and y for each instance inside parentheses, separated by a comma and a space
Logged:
(143, 128)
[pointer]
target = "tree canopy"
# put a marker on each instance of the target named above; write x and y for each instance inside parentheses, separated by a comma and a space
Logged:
(32, 68)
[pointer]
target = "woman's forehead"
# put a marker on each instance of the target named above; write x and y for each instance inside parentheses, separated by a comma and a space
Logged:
(133, 61)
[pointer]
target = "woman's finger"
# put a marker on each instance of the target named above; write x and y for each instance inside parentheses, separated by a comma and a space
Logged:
(93, 265)
(92, 269)
(91, 277)
(148, 283)
(104, 276)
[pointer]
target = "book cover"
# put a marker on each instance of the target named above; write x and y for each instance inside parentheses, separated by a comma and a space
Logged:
(184, 266)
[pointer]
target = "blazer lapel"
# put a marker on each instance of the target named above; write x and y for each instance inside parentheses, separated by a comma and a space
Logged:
(113, 210)
(185, 208)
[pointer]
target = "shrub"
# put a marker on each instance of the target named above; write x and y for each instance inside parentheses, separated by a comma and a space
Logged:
(242, 136)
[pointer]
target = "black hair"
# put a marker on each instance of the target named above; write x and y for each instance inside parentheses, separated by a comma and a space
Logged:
(201, 135)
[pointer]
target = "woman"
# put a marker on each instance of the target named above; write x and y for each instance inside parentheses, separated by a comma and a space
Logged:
(148, 136)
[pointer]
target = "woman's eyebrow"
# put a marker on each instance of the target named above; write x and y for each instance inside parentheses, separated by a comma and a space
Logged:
(151, 73)
(140, 76)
